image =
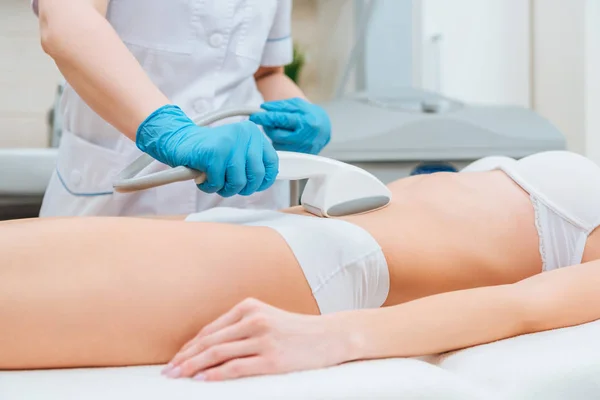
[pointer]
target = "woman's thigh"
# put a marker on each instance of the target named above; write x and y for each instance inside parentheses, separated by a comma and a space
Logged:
(125, 291)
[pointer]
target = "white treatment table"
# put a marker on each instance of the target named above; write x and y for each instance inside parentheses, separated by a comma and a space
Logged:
(560, 364)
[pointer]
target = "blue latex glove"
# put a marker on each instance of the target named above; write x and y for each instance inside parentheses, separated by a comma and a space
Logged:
(237, 158)
(295, 125)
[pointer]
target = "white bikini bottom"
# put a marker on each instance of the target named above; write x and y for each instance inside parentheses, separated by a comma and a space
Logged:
(343, 264)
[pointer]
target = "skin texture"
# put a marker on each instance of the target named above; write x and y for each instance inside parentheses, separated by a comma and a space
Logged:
(127, 291)
(274, 84)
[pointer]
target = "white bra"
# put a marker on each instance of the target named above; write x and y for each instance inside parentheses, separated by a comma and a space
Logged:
(565, 192)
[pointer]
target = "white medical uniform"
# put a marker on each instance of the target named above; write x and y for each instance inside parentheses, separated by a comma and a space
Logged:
(202, 54)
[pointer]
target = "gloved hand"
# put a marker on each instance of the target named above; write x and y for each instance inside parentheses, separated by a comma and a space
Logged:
(295, 125)
(237, 158)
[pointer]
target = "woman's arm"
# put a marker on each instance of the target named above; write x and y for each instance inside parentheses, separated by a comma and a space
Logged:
(89, 53)
(560, 298)
(274, 84)
(254, 338)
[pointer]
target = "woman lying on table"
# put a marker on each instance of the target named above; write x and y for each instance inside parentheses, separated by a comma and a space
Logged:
(456, 260)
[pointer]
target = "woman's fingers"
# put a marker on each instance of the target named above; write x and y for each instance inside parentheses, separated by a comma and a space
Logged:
(217, 355)
(256, 339)
(238, 368)
(229, 318)
(241, 330)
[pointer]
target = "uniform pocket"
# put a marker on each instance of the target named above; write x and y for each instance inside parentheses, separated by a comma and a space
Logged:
(164, 25)
(87, 169)
(82, 182)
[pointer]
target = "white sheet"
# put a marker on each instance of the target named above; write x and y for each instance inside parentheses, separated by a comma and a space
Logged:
(561, 364)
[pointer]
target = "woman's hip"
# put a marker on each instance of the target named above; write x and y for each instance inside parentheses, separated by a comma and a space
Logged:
(343, 264)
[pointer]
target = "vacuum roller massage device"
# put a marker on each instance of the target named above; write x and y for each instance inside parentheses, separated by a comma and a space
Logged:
(333, 189)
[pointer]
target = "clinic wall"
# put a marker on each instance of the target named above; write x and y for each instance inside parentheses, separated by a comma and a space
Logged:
(559, 71)
(592, 84)
(543, 54)
(483, 54)
(389, 37)
(28, 78)
(324, 31)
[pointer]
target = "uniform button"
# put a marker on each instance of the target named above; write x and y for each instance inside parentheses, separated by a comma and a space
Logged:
(216, 40)
(75, 178)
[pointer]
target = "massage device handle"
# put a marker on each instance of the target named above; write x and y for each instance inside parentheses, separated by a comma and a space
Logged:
(128, 181)
(292, 166)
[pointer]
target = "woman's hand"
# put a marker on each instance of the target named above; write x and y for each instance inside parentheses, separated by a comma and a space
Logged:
(295, 125)
(254, 338)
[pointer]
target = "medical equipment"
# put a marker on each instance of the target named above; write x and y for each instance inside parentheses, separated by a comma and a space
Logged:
(25, 176)
(393, 130)
(391, 134)
(54, 117)
(333, 189)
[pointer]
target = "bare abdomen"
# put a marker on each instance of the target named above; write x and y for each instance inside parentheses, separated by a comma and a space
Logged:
(448, 232)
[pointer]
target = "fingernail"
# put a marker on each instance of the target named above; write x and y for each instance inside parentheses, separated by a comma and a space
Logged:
(167, 369)
(199, 377)
(174, 373)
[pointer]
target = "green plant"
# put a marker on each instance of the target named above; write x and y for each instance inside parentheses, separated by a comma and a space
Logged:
(293, 69)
